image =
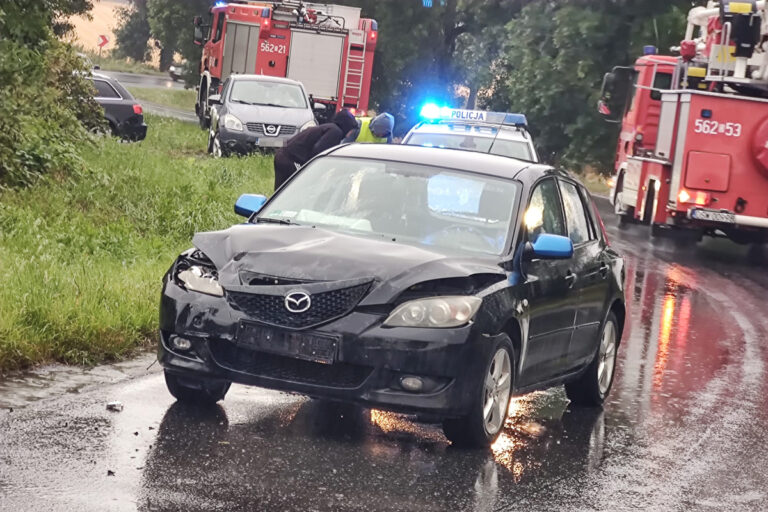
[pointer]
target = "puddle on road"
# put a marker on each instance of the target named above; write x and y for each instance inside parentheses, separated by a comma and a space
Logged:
(22, 388)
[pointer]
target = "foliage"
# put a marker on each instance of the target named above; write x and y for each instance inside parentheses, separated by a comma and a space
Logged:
(171, 24)
(46, 106)
(83, 257)
(554, 57)
(132, 32)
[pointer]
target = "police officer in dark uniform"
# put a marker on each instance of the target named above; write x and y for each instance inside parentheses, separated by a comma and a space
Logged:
(306, 144)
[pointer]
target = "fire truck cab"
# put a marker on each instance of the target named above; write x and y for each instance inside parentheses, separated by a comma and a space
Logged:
(328, 48)
(692, 155)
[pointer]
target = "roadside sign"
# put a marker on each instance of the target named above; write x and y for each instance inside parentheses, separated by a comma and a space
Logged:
(103, 41)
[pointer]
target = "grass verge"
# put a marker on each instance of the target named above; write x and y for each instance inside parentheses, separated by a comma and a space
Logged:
(82, 257)
(182, 99)
(107, 62)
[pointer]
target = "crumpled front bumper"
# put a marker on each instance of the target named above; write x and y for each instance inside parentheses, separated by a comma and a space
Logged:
(370, 364)
(244, 142)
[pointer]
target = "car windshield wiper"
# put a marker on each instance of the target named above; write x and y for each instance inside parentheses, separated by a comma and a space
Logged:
(244, 102)
(270, 220)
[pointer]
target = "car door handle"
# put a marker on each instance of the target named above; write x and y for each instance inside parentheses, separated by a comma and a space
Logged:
(604, 268)
(570, 278)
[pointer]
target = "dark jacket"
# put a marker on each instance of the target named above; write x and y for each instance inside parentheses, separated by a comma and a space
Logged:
(313, 141)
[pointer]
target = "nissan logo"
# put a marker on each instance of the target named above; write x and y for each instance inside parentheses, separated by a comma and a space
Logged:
(270, 129)
(297, 301)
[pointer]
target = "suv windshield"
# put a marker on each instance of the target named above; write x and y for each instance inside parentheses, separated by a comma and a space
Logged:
(275, 94)
(503, 147)
(416, 204)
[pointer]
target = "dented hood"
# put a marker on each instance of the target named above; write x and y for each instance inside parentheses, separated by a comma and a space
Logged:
(312, 254)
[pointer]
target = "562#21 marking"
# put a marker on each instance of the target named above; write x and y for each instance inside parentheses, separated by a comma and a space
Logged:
(716, 128)
(273, 48)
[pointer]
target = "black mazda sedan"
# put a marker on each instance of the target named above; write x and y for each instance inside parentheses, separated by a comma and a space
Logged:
(413, 279)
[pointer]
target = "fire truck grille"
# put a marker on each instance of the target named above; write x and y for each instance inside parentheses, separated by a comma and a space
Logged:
(270, 130)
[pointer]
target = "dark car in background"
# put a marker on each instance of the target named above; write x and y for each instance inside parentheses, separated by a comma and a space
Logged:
(421, 280)
(124, 114)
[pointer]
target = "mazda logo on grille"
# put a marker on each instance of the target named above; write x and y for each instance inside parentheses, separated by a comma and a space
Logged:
(270, 129)
(297, 301)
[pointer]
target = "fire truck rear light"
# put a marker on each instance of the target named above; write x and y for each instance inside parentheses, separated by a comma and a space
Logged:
(137, 109)
(698, 198)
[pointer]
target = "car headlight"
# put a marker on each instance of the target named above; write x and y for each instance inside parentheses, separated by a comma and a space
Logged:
(308, 124)
(438, 312)
(200, 279)
(232, 123)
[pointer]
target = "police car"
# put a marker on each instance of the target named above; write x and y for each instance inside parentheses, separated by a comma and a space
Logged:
(497, 133)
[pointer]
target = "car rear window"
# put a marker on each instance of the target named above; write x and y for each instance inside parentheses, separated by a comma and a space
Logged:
(503, 147)
(104, 89)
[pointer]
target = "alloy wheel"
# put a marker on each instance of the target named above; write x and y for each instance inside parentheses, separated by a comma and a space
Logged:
(496, 391)
(216, 146)
(607, 358)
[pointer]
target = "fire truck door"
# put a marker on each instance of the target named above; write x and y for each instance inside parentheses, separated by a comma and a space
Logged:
(240, 48)
(315, 61)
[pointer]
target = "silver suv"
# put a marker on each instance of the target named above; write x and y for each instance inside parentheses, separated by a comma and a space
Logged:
(255, 111)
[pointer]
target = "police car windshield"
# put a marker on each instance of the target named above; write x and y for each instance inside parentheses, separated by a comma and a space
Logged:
(503, 147)
(442, 209)
(254, 92)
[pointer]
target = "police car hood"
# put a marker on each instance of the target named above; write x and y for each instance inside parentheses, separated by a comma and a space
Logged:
(269, 115)
(306, 254)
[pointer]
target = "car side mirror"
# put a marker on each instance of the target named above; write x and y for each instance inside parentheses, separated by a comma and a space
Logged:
(248, 204)
(549, 247)
(214, 99)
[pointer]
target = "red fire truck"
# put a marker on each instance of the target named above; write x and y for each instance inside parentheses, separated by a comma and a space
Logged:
(692, 157)
(329, 48)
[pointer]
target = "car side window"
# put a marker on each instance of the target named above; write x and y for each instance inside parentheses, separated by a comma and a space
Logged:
(575, 215)
(544, 213)
(104, 89)
(219, 27)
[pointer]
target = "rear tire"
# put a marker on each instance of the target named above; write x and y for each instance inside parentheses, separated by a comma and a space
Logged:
(194, 391)
(592, 387)
(488, 412)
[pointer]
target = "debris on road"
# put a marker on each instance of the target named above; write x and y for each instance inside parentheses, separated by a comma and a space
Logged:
(110, 472)
(115, 406)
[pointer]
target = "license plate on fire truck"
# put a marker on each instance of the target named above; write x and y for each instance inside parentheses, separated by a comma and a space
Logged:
(714, 216)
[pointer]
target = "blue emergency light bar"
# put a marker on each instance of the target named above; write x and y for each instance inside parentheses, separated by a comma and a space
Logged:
(432, 112)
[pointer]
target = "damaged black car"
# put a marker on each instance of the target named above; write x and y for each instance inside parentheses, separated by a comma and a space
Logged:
(412, 279)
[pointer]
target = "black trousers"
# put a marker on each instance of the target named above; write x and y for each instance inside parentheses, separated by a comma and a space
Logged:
(284, 167)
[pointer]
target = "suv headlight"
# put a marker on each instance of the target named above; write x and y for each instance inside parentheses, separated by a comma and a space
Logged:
(438, 312)
(308, 124)
(232, 123)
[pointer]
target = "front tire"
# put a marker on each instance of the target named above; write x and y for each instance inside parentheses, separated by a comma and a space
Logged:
(488, 412)
(195, 391)
(217, 150)
(592, 388)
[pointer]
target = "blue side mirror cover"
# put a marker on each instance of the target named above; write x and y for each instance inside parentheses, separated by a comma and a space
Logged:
(248, 204)
(552, 247)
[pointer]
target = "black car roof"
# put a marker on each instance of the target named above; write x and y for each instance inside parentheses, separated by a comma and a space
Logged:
(493, 165)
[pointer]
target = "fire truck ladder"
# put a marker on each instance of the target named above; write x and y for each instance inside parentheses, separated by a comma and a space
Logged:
(353, 77)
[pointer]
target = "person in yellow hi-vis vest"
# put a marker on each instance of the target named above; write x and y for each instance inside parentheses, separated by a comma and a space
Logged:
(376, 130)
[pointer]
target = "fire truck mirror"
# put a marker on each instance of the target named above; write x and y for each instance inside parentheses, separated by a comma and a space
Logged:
(198, 39)
(615, 93)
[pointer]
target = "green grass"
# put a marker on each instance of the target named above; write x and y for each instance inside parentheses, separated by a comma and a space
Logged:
(595, 183)
(182, 99)
(82, 257)
(107, 62)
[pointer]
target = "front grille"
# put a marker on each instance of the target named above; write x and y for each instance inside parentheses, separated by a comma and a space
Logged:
(259, 129)
(325, 306)
(337, 375)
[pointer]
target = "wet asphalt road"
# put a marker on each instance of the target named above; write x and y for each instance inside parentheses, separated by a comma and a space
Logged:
(685, 428)
(141, 80)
